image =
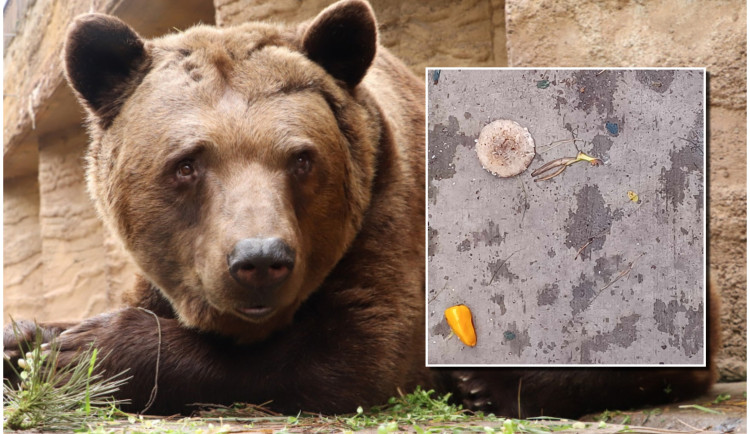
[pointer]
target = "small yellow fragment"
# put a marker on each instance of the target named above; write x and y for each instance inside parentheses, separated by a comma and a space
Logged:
(460, 321)
(633, 196)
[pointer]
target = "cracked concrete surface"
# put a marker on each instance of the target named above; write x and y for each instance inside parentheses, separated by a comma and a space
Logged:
(570, 270)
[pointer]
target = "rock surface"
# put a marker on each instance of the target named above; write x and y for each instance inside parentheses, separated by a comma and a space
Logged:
(434, 33)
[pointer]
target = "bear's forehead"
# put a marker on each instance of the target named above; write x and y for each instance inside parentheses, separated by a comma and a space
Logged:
(252, 59)
(230, 87)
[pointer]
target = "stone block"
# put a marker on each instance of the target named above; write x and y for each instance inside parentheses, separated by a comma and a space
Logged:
(434, 33)
(22, 247)
(73, 274)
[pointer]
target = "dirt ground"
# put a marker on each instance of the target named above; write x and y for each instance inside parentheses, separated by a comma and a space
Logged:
(722, 410)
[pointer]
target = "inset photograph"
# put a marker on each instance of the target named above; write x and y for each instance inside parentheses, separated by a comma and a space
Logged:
(566, 217)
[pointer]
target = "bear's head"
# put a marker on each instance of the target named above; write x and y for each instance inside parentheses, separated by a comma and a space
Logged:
(235, 165)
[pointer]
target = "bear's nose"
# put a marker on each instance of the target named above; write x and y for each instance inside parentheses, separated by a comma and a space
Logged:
(261, 263)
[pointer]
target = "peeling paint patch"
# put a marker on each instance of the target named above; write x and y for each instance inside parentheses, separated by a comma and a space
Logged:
(595, 89)
(499, 299)
(695, 137)
(489, 236)
(560, 102)
(602, 145)
(606, 267)
(442, 329)
(443, 141)
(689, 334)
(499, 269)
(623, 335)
(432, 192)
(658, 81)
(591, 219)
(676, 181)
(464, 246)
(582, 293)
(432, 241)
(548, 295)
(521, 339)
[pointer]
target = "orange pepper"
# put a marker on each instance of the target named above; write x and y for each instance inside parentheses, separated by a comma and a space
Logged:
(459, 318)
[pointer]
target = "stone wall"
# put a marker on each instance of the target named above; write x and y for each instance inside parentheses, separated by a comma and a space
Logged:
(432, 33)
(22, 248)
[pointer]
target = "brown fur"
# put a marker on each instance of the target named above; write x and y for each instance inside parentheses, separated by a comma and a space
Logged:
(241, 103)
(233, 109)
(310, 134)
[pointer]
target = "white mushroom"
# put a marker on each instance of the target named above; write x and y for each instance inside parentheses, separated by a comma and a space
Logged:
(505, 148)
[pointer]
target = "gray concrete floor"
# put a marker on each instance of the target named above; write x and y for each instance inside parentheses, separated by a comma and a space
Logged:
(570, 270)
(722, 409)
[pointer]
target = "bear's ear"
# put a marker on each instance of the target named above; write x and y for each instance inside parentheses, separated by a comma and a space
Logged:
(104, 60)
(343, 39)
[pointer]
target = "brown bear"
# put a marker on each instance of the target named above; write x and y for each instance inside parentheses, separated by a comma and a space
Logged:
(269, 183)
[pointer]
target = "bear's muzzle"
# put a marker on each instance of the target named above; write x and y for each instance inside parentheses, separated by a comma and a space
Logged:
(260, 265)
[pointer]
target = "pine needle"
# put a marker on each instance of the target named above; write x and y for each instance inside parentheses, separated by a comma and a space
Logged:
(50, 397)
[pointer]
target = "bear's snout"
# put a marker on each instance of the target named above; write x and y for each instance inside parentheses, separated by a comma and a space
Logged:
(261, 264)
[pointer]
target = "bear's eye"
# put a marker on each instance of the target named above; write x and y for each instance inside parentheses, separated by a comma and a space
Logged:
(301, 163)
(185, 169)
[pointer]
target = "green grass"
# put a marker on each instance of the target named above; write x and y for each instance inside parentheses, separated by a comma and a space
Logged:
(419, 411)
(721, 398)
(51, 397)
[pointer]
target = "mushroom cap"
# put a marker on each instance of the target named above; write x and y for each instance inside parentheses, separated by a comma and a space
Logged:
(505, 148)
